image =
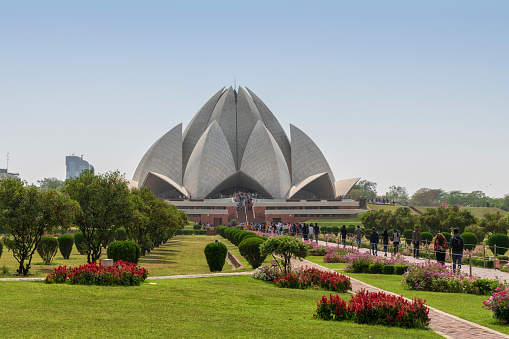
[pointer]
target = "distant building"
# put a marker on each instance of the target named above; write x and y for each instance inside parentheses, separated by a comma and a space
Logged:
(5, 174)
(74, 165)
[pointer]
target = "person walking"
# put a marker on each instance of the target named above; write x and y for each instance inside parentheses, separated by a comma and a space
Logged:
(358, 236)
(373, 240)
(440, 246)
(316, 230)
(385, 240)
(456, 247)
(310, 232)
(395, 241)
(344, 232)
(416, 241)
(305, 232)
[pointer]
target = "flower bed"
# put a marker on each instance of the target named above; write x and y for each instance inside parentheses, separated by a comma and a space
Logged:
(121, 273)
(375, 308)
(305, 278)
(266, 273)
(498, 303)
(339, 254)
(435, 277)
(367, 263)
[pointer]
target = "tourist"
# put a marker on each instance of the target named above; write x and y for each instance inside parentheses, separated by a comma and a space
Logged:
(344, 232)
(373, 240)
(416, 241)
(440, 246)
(358, 236)
(395, 241)
(456, 247)
(316, 232)
(310, 232)
(385, 239)
(305, 231)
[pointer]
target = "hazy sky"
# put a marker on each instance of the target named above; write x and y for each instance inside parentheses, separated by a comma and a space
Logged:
(407, 93)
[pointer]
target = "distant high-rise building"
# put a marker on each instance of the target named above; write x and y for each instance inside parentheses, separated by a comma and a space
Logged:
(74, 165)
(5, 174)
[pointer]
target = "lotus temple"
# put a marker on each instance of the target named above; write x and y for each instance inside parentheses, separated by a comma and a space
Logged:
(235, 161)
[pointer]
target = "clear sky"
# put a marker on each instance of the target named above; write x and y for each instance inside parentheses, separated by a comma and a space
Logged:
(408, 93)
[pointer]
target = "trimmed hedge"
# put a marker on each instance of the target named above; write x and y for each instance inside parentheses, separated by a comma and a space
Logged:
(470, 240)
(249, 248)
(215, 253)
(65, 243)
(378, 268)
(78, 241)
(335, 230)
(502, 242)
(47, 249)
(407, 234)
(447, 236)
(124, 250)
(426, 237)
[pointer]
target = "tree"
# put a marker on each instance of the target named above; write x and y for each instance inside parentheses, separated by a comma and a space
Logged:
(364, 188)
(404, 219)
(397, 193)
(286, 247)
(154, 220)
(105, 204)
(28, 212)
(425, 197)
(493, 223)
(446, 218)
(50, 183)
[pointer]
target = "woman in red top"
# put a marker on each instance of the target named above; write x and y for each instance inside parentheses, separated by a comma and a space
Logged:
(440, 246)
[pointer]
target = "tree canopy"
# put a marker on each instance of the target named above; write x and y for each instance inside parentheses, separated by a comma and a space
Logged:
(27, 212)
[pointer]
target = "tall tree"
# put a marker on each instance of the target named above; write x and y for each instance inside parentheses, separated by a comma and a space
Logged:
(105, 204)
(364, 188)
(50, 183)
(397, 193)
(28, 212)
(446, 218)
(425, 197)
(493, 223)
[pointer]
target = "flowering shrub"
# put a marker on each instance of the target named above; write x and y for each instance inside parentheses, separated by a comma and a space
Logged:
(499, 304)
(339, 254)
(312, 277)
(266, 273)
(375, 308)
(121, 273)
(361, 262)
(317, 250)
(435, 277)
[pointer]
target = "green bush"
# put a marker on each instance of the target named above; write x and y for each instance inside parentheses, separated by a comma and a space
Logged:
(197, 227)
(375, 268)
(335, 230)
(249, 248)
(470, 240)
(120, 234)
(388, 269)
(220, 229)
(447, 236)
(78, 241)
(426, 237)
(329, 229)
(65, 242)
(407, 234)
(502, 242)
(47, 249)
(323, 229)
(351, 229)
(124, 250)
(215, 253)
(367, 233)
(200, 232)
(400, 269)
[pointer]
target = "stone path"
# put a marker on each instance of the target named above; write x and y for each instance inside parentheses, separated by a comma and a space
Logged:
(445, 324)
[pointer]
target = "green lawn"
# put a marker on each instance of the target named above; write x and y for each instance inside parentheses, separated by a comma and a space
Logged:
(466, 306)
(218, 307)
(336, 222)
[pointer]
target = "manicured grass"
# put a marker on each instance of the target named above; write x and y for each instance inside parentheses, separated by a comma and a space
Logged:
(335, 222)
(182, 254)
(217, 307)
(466, 306)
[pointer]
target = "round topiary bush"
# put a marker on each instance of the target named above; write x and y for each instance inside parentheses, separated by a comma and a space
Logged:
(78, 241)
(65, 242)
(351, 229)
(407, 234)
(469, 240)
(426, 237)
(215, 253)
(502, 242)
(335, 230)
(47, 249)
(249, 248)
(120, 234)
(367, 233)
(329, 229)
(447, 236)
(124, 250)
